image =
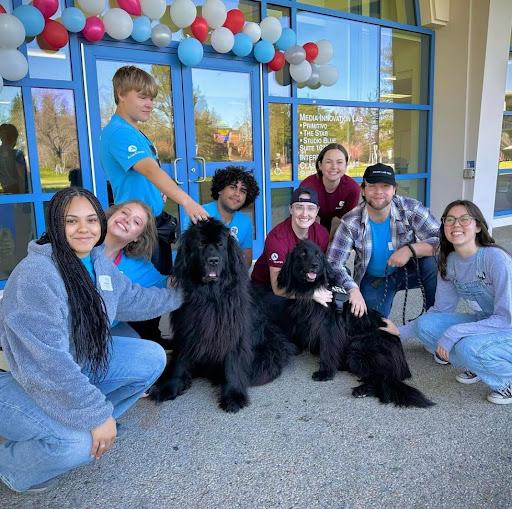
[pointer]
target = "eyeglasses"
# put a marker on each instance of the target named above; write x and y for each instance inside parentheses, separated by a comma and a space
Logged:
(464, 220)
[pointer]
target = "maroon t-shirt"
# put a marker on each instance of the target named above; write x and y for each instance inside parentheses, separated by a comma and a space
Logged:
(336, 204)
(279, 242)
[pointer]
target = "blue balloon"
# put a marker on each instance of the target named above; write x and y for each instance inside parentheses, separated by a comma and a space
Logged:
(31, 18)
(287, 40)
(141, 29)
(264, 51)
(73, 19)
(243, 45)
(190, 51)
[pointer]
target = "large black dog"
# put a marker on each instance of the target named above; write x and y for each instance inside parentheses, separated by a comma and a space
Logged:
(342, 340)
(220, 331)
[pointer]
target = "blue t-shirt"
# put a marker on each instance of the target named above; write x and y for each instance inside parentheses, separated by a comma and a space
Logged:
(240, 226)
(121, 146)
(382, 248)
(90, 267)
(142, 272)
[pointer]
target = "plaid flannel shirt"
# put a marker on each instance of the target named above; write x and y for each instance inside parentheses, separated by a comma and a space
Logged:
(410, 222)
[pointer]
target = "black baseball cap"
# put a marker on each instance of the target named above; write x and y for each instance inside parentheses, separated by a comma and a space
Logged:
(379, 173)
(313, 196)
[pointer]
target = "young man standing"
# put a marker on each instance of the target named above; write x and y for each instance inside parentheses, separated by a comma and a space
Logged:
(233, 189)
(386, 231)
(282, 239)
(129, 158)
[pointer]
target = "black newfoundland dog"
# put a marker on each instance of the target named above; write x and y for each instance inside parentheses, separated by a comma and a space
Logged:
(220, 331)
(342, 340)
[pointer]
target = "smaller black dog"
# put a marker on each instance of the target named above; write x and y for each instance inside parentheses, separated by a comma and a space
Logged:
(342, 340)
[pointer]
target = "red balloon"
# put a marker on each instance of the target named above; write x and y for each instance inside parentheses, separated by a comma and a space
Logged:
(54, 35)
(47, 7)
(235, 20)
(199, 29)
(2, 10)
(94, 29)
(130, 6)
(277, 63)
(311, 50)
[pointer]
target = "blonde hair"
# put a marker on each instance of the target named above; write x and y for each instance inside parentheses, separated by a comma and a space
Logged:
(129, 78)
(145, 244)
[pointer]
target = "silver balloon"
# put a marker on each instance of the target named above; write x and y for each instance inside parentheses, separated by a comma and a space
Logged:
(295, 55)
(300, 72)
(314, 79)
(161, 35)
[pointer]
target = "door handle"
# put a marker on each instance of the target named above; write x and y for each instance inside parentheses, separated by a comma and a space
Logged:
(176, 171)
(202, 178)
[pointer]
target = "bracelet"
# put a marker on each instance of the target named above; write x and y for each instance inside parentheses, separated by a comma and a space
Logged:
(412, 250)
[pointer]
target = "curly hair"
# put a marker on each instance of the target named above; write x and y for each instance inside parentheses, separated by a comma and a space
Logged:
(90, 326)
(232, 175)
(145, 244)
(331, 146)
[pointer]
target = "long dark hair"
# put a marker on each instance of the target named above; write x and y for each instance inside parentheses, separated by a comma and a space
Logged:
(483, 237)
(90, 328)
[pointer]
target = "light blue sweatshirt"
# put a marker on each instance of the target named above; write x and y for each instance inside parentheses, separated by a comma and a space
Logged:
(35, 332)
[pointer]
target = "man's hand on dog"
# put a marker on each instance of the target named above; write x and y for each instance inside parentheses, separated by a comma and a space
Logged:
(357, 303)
(390, 327)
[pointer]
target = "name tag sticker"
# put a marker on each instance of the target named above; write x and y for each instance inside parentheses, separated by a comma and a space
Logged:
(390, 246)
(105, 283)
(473, 304)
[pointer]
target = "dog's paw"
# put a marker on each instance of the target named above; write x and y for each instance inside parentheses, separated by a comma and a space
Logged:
(169, 390)
(361, 391)
(233, 402)
(322, 375)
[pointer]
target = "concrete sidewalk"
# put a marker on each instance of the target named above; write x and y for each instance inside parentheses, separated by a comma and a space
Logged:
(303, 444)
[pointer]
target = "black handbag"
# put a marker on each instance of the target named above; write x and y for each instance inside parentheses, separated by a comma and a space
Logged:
(167, 228)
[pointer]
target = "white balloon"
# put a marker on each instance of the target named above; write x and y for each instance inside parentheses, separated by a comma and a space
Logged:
(161, 35)
(300, 72)
(12, 31)
(153, 9)
(325, 51)
(183, 13)
(222, 40)
(92, 7)
(271, 29)
(314, 79)
(253, 30)
(13, 64)
(328, 75)
(214, 12)
(118, 23)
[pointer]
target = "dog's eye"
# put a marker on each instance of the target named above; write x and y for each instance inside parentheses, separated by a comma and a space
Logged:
(220, 243)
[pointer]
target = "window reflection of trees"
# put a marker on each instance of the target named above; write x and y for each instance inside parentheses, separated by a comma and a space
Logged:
(280, 142)
(57, 145)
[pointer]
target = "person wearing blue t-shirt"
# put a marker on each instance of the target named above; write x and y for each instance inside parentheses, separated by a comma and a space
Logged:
(233, 188)
(129, 242)
(129, 158)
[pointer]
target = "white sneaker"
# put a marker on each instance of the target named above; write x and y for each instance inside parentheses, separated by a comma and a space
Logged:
(439, 360)
(467, 377)
(503, 397)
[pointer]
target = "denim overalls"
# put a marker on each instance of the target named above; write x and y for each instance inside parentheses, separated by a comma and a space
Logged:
(489, 355)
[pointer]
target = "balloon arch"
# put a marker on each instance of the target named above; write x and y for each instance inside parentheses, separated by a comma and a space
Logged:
(268, 41)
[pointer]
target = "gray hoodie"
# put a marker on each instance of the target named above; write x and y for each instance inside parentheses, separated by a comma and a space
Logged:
(35, 332)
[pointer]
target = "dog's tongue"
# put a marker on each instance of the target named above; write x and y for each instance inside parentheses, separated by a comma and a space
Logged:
(311, 276)
(212, 274)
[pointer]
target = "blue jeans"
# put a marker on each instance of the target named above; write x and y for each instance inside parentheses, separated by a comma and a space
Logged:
(39, 448)
(487, 355)
(372, 288)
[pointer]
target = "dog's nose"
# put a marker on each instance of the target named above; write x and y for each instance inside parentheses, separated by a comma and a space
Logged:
(213, 260)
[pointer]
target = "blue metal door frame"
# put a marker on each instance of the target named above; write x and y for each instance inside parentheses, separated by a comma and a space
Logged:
(188, 168)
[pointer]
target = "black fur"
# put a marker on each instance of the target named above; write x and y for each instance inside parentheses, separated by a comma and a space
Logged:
(219, 331)
(342, 340)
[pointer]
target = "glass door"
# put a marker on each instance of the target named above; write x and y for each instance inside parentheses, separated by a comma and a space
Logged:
(203, 119)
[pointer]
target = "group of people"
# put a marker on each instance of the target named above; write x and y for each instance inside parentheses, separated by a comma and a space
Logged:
(71, 310)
